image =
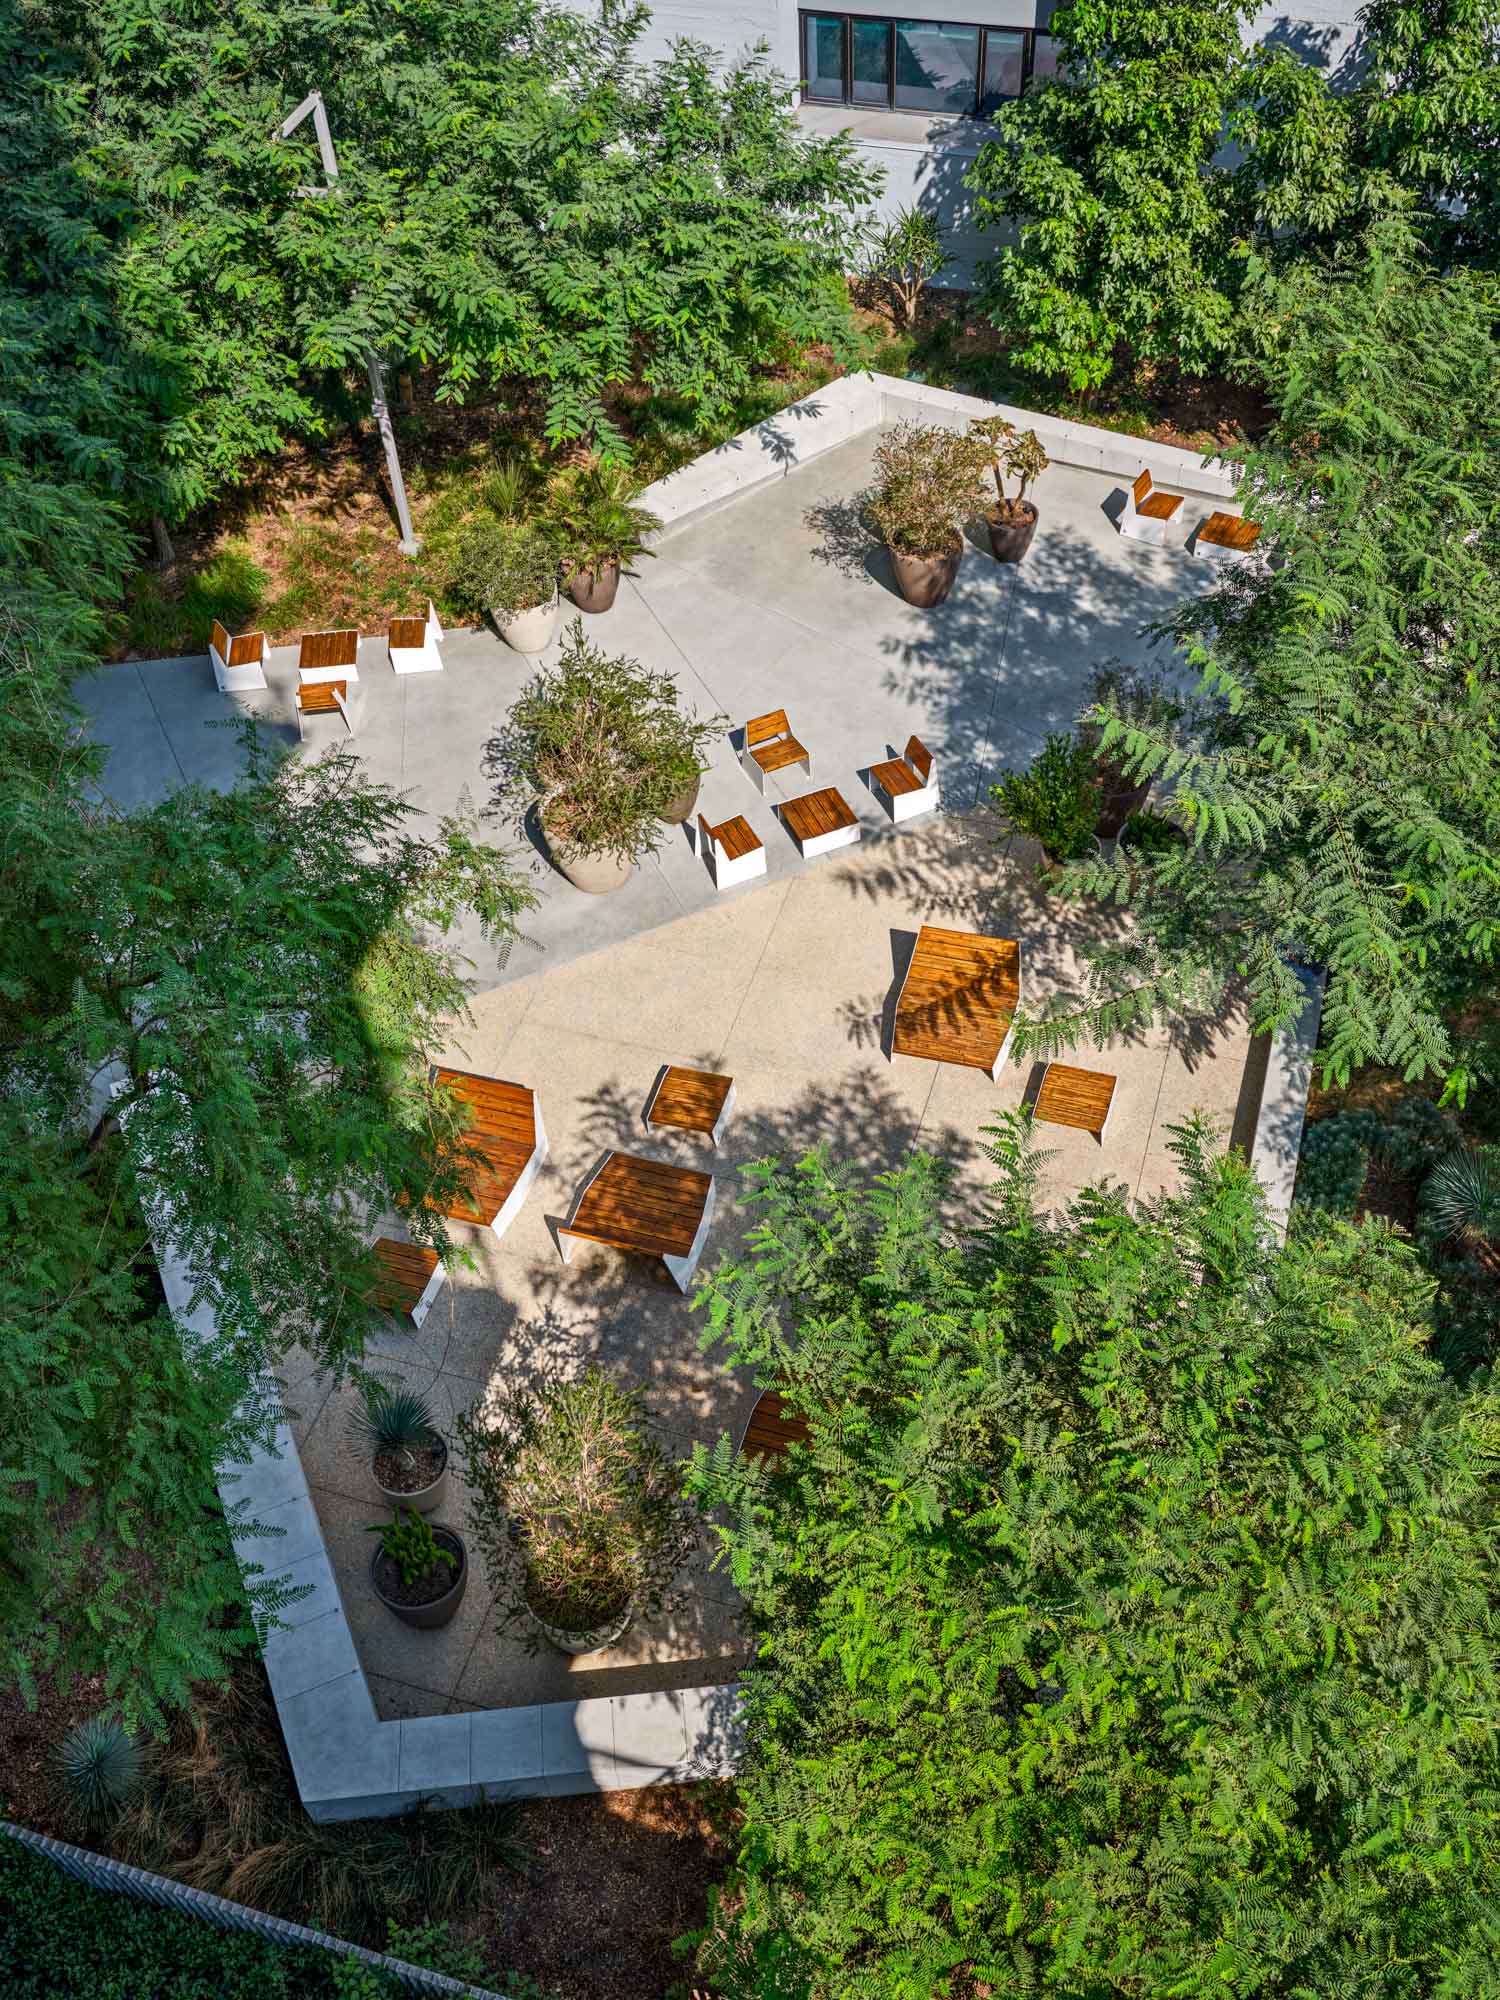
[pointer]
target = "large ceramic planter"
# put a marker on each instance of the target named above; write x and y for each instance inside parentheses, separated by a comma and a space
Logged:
(1049, 874)
(1010, 535)
(926, 580)
(530, 631)
(425, 1499)
(682, 806)
(594, 590)
(437, 1611)
(595, 874)
(595, 1640)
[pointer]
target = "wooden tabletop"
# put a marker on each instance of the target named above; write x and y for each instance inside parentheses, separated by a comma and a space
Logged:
(772, 1427)
(642, 1205)
(1230, 531)
(499, 1143)
(1077, 1097)
(817, 813)
(959, 998)
(690, 1099)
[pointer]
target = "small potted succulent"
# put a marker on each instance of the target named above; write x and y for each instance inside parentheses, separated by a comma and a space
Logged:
(599, 749)
(578, 1509)
(1054, 802)
(1015, 455)
(408, 1457)
(600, 532)
(420, 1570)
(509, 569)
(928, 481)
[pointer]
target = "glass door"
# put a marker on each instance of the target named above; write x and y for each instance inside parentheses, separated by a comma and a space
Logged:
(870, 62)
(823, 56)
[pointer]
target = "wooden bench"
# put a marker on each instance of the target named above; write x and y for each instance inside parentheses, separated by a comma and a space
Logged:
(322, 698)
(414, 643)
(644, 1207)
(1225, 536)
(908, 782)
(958, 1001)
(1148, 511)
(408, 1278)
(772, 1429)
(506, 1147)
(770, 746)
(328, 656)
(1080, 1098)
(733, 849)
(820, 821)
(691, 1100)
(239, 662)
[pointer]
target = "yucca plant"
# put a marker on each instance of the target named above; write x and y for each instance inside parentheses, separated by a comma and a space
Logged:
(394, 1422)
(102, 1766)
(1461, 1196)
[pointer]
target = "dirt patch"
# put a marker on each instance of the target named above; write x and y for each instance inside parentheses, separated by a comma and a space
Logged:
(29, 1742)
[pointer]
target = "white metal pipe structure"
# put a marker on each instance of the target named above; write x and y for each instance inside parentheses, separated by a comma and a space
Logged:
(312, 107)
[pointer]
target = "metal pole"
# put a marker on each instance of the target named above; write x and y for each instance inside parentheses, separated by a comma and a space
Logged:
(312, 105)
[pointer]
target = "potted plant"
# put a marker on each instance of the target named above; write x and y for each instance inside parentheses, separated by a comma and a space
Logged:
(509, 569)
(1121, 694)
(599, 749)
(601, 532)
(1016, 455)
(1054, 802)
(408, 1457)
(578, 1509)
(420, 1571)
(927, 483)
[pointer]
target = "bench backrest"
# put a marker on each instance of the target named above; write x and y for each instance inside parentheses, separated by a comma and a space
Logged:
(1142, 488)
(766, 728)
(220, 641)
(321, 697)
(410, 632)
(329, 649)
(705, 830)
(244, 648)
(919, 757)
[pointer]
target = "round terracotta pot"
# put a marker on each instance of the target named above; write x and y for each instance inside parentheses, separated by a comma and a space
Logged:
(594, 590)
(682, 806)
(428, 1617)
(530, 631)
(1011, 538)
(426, 1499)
(595, 1640)
(926, 580)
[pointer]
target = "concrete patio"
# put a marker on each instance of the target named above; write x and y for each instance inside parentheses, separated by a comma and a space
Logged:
(788, 988)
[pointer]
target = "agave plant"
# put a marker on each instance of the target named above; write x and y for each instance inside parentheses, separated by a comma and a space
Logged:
(102, 1766)
(1462, 1196)
(398, 1421)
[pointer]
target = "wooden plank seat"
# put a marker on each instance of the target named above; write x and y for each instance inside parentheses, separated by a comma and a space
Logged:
(820, 821)
(408, 1278)
(644, 1207)
(506, 1146)
(1080, 1098)
(958, 1001)
(772, 1428)
(691, 1100)
(1223, 536)
(908, 782)
(238, 660)
(415, 644)
(733, 849)
(1148, 510)
(328, 656)
(322, 698)
(770, 746)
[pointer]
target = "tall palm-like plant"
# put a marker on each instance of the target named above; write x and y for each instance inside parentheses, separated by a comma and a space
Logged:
(1462, 1197)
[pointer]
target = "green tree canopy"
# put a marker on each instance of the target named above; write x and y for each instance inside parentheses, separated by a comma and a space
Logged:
(1340, 777)
(1125, 1626)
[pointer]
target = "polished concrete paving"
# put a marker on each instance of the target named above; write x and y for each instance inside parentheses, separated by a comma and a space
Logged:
(779, 599)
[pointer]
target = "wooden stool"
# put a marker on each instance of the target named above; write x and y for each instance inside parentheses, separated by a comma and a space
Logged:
(820, 821)
(1077, 1097)
(409, 1278)
(692, 1100)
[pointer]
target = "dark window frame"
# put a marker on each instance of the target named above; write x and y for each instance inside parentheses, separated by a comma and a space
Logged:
(1029, 37)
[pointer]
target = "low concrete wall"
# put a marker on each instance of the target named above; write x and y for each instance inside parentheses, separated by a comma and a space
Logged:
(1283, 1099)
(853, 404)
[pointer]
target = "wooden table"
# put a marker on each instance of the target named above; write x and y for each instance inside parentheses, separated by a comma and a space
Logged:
(692, 1100)
(408, 1278)
(958, 1000)
(771, 1428)
(645, 1207)
(1230, 534)
(819, 821)
(1077, 1097)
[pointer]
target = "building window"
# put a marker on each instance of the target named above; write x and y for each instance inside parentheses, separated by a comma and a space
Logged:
(920, 65)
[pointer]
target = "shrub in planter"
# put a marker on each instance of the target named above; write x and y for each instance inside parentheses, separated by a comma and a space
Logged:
(408, 1458)
(600, 531)
(1054, 802)
(599, 747)
(1150, 833)
(1127, 699)
(579, 1511)
(1014, 455)
(509, 569)
(928, 481)
(419, 1571)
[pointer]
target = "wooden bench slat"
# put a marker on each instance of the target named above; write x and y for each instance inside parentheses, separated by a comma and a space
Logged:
(1076, 1097)
(642, 1205)
(404, 1269)
(772, 1427)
